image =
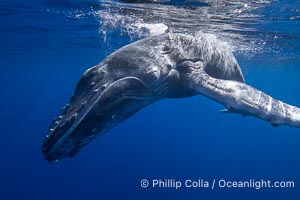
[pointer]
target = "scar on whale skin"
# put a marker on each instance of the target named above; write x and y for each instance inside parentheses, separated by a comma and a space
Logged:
(164, 66)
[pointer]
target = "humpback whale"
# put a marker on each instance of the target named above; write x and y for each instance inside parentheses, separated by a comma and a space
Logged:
(163, 66)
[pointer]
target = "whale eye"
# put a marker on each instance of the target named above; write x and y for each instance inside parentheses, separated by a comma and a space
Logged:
(154, 73)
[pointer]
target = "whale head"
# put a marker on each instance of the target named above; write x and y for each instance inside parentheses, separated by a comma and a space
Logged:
(78, 122)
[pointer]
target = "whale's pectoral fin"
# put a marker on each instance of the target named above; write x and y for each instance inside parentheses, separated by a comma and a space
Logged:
(243, 99)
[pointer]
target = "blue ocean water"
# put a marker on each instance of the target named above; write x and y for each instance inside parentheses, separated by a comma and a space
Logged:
(46, 45)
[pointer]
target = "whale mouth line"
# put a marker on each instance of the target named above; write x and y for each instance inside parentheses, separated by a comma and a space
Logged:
(77, 122)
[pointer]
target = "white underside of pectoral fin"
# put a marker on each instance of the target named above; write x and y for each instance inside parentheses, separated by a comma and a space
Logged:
(243, 99)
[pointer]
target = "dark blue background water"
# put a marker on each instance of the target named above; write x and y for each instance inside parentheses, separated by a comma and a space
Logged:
(43, 54)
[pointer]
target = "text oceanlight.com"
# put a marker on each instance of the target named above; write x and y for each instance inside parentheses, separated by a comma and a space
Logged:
(215, 184)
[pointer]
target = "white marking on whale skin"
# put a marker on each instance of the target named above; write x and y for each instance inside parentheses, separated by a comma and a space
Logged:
(282, 110)
(258, 98)
(269, 105)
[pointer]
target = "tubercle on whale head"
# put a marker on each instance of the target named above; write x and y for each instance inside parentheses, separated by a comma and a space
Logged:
(59, 126)
(65, 136)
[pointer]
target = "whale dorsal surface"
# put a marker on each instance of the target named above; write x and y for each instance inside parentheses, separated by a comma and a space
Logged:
(164, 66)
